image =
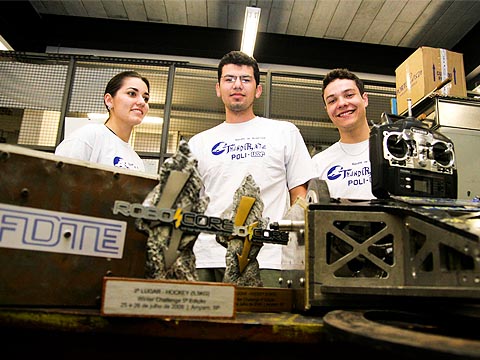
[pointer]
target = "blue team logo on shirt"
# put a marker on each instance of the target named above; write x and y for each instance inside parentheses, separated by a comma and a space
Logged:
(121, 163)
(240, 150)
(354, 177)
(218, 148)
(334, 172)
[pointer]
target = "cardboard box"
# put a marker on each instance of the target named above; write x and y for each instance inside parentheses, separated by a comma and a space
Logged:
(424, 70)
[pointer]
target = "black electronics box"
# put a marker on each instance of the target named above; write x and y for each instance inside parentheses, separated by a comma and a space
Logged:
(410, 159)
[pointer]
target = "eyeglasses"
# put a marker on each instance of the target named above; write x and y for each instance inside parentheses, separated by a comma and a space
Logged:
(230, 79)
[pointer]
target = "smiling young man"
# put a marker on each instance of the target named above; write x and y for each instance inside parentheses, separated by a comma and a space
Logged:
(272, 151)
(345, 165)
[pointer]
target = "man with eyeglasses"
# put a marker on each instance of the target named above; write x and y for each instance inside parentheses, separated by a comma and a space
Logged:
(272, 151)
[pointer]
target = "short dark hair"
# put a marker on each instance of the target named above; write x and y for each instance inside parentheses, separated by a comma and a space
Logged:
(239, 58)
(116, 82)
(342, 74)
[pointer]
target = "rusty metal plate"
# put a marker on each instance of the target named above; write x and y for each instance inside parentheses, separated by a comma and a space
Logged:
(38, 181)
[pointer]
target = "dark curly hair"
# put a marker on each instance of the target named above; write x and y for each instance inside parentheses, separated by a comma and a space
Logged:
(239, 58)
(342, 74)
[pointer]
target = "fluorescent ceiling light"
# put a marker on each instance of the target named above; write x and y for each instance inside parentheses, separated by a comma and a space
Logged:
(152, 120)
(4, 44)
(102, 117)
(250, 27)
(98, 117)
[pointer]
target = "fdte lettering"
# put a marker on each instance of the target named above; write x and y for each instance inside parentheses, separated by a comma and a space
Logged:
(51, 231)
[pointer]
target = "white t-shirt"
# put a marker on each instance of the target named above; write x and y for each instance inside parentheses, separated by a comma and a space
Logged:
(276, 156)
(96, 143)
(346, 169)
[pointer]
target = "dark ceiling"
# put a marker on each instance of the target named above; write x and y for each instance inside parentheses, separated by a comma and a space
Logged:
(377, 37)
